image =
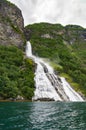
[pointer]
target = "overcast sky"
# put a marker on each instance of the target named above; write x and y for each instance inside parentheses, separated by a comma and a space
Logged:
(53, 11)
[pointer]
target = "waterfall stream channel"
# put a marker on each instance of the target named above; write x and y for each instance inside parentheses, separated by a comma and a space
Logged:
(48, 85)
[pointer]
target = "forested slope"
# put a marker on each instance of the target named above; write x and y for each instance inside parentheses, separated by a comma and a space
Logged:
(65, 47)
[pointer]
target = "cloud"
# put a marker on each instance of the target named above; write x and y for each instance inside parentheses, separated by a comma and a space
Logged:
(53, 11)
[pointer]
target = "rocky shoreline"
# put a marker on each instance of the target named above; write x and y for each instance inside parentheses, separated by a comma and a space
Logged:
(8, 100)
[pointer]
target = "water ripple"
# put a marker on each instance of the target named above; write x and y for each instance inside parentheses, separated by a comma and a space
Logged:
(42, 116)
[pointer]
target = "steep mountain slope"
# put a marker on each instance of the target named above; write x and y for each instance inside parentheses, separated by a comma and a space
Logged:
(16, 71)
(64, 48)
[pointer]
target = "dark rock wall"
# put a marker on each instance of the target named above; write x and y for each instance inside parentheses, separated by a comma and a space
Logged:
(11, 24)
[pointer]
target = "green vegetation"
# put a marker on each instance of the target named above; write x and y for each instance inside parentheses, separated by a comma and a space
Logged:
(65, 48)
(16, 73)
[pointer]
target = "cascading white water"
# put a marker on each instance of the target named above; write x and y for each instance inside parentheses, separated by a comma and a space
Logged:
(73, 95)
(48, 85)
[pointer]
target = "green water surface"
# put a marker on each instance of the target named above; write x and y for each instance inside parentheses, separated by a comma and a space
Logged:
(42, 116)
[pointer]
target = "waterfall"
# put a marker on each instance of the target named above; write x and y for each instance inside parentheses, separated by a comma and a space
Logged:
(49, 86)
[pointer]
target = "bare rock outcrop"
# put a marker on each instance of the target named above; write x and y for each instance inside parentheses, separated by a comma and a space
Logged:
(11, 24)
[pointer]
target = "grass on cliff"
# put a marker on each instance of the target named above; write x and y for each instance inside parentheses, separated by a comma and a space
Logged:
(64, 57)
(16, 73)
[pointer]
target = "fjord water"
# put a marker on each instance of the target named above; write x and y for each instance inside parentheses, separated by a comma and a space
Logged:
(50, 86)
(43, 116)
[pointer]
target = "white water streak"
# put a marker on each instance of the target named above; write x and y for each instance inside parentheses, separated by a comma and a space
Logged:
(73, 96)
(59, 91)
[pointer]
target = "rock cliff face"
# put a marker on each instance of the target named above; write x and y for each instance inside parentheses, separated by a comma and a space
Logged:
(16, 71)
(70, 33)
(11, 24)
(75, 33)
